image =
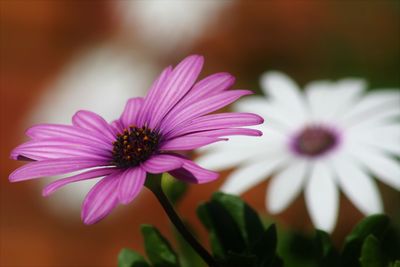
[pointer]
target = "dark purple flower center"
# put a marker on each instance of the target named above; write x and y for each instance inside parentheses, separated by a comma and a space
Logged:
(314, 141)
(134, 146)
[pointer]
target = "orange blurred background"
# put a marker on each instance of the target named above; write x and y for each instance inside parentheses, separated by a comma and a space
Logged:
(41, 41)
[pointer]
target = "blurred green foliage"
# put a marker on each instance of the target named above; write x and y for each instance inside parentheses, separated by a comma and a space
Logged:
(239, 239)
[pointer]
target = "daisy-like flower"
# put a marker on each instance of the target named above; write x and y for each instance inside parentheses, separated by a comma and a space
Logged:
(174, 116)
(332, 135)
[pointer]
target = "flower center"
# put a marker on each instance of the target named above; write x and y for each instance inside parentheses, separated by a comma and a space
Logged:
(134, 146)
(314, 141)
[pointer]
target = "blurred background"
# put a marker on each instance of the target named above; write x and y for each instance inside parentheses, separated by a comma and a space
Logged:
(60, 56)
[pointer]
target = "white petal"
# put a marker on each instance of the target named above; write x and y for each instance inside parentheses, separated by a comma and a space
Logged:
(223, 159)
(381, 165)
(238, 149)
(284, 91)
(318, 95)
(357, 185)
(286, 186)
(272, 113)
(248, 176)
(388, 114)
(385, 137)
(280, 86)
(347, 92)
(371, 104)
(327, 100)
(322, 197)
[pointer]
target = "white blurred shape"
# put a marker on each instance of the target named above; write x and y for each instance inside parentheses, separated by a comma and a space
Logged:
(101, 80)
(169, 25)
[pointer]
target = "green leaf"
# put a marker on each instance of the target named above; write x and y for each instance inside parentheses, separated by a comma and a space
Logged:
(245, 217)
(158, 249)
(188, 256)
(237, 235)
(239, 260)
(204, 217)
(326, 252)
(375, 225)
(390, 243)
(130, 258)
(265, 247)
(297, 249)
(225, 231)
(371, 255)
(173, 188)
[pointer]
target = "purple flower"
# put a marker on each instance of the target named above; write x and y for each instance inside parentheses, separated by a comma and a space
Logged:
(174, 116)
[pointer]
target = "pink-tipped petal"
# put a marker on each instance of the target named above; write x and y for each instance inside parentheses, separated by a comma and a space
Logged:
(203, 107)
(101, 199)
(94, 123)
(131, 112)
(130, 184)
(189, 142)
(53, 167)
(179, 83)
(58, 148)
(205, 88)
(67, 132)
(162, 163)
(52, 187)
(216, 122)
(228, 132)
(154, 92)
(193, 173)
(211, 85)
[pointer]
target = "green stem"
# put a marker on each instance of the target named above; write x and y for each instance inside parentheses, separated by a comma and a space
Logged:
(153, 182)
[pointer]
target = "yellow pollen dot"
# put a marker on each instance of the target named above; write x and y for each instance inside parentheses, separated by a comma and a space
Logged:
(145, 138)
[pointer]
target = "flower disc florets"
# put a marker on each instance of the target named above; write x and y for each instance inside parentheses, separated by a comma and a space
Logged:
(134, 146)
(314, 141)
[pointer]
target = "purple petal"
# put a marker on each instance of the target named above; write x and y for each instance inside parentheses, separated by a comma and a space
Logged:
(130, 184)
(52, 187)
(152, 95)
(101, 199)
(193, 173)
(45, 131)
(179, 83)
(205, 88)
(203, 107)
(209, 86)
(131, 112)
(53, 167)
(228, 132)
(94, 123)
(217, 121)
(188, 142)
(162, 163)
(54, 148)
(117, 125)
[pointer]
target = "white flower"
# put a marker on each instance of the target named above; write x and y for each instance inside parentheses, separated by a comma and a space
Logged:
(331, 136)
